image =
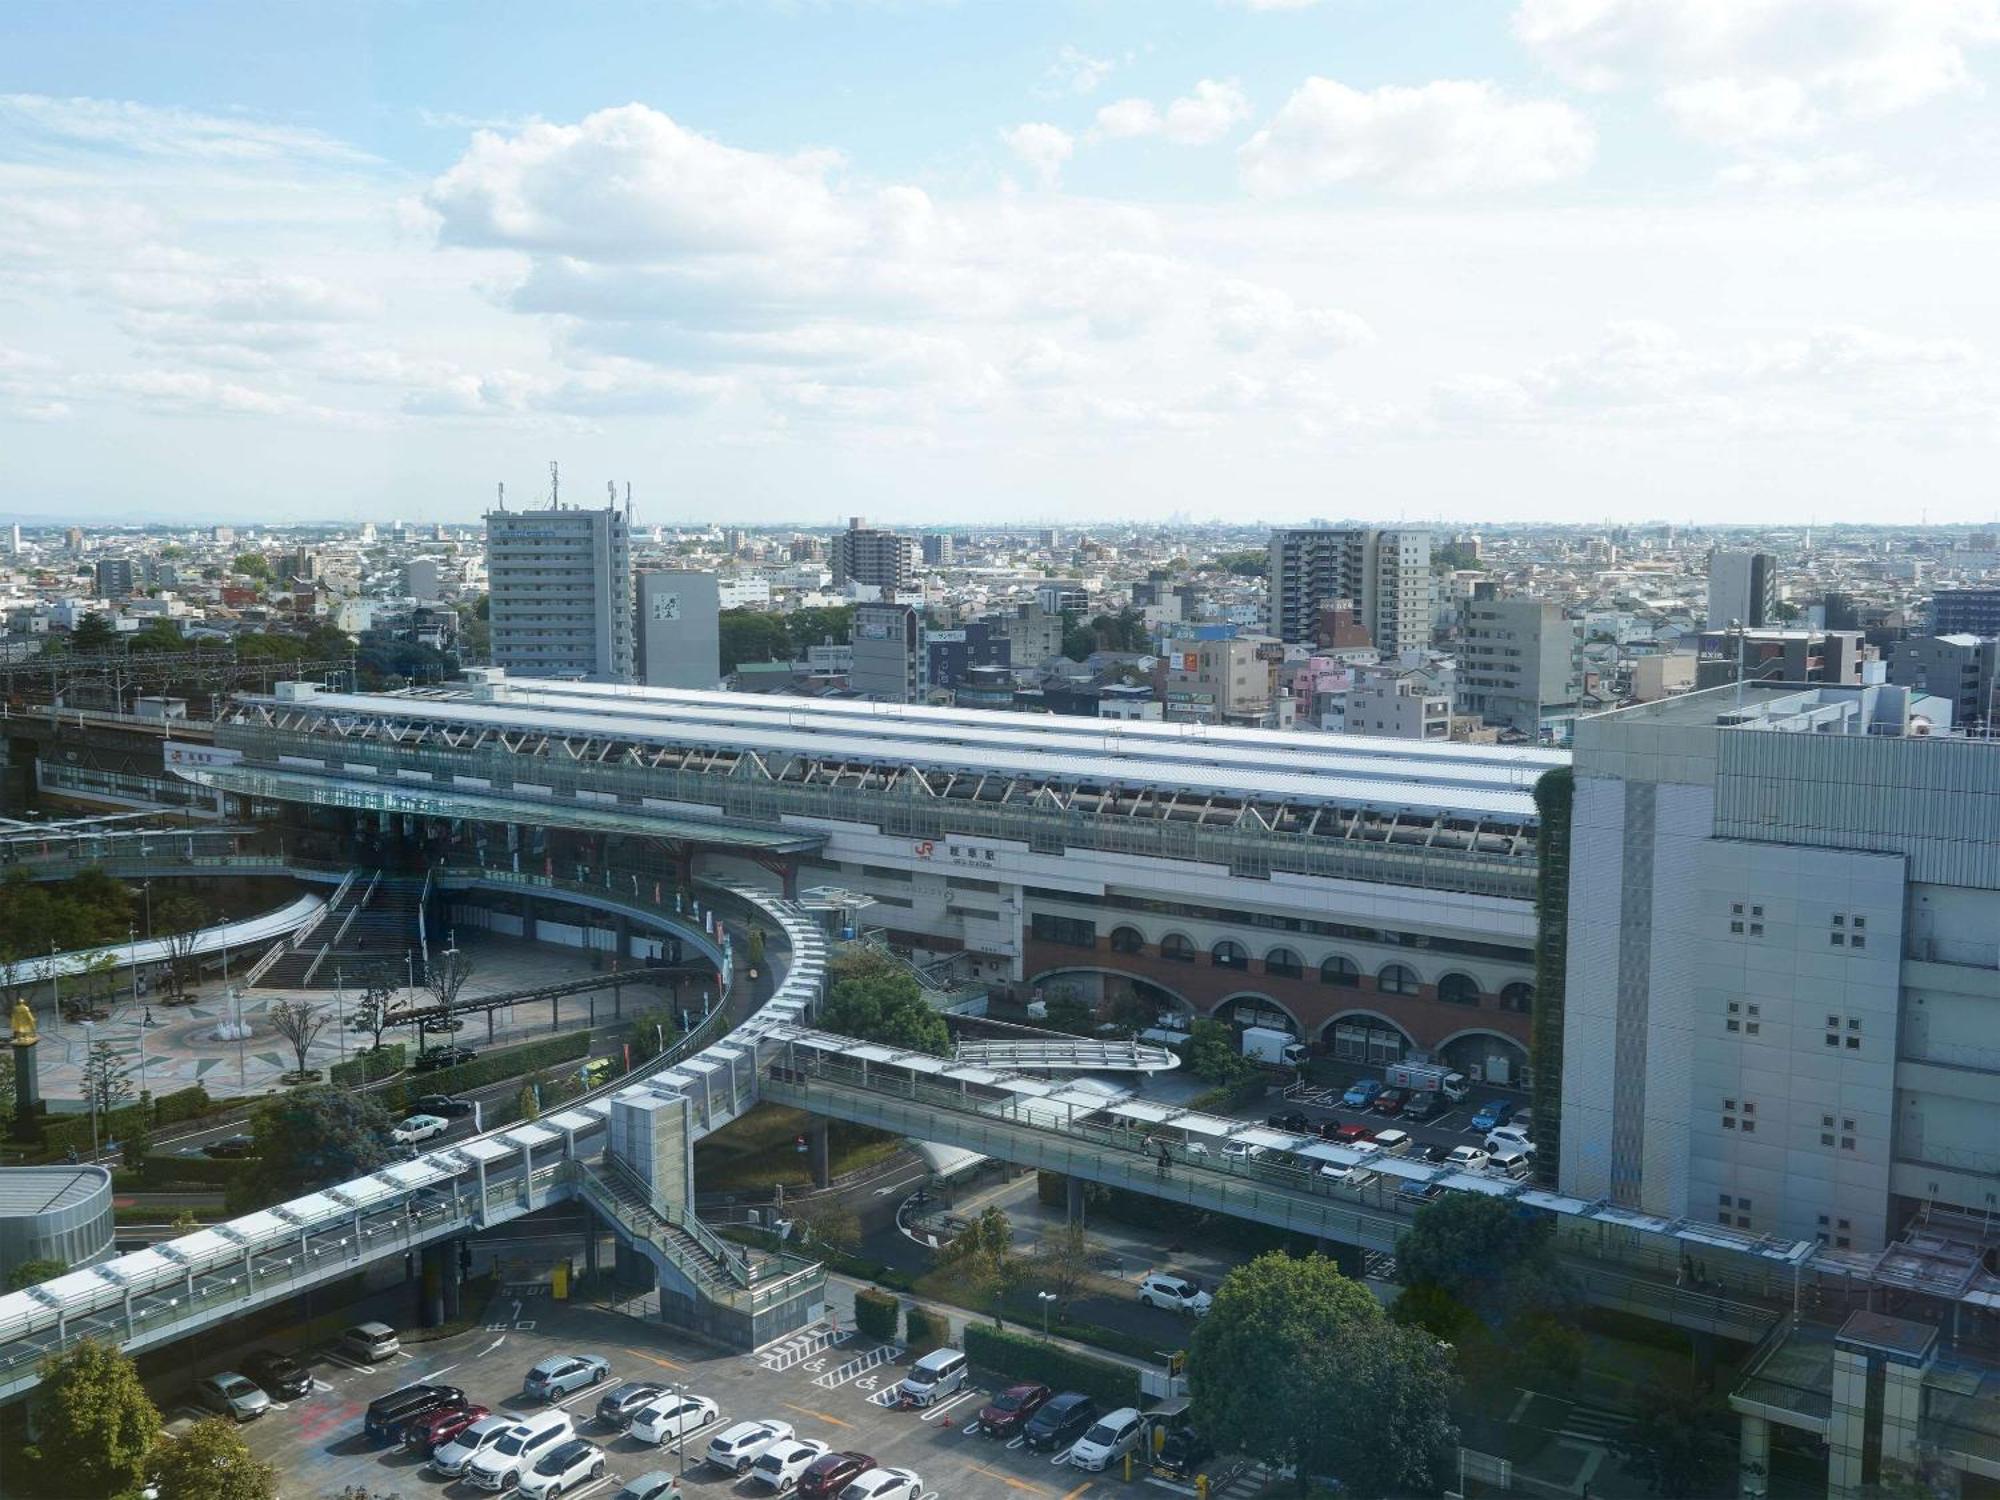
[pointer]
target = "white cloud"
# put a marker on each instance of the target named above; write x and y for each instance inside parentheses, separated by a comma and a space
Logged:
(1043, 149)
(1249, 316)
(1787, 174)
(1076, 72)
(1442, 137)
(1760, 63)
(1200, 117)
(143, 130)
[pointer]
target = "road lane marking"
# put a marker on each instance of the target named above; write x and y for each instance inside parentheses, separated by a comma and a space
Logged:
(1010, 1481)
(656, 1359)
(1081, 1489)
(940, 1408)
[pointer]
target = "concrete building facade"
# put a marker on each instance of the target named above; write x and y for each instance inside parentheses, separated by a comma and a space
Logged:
(679, 629)
(1520, 664)
(881, 560)
(1742, 589)
(1385, 573)
(560, 589)
(1958, 668)
(1400, 702)
(889, 659)
(1782, 971)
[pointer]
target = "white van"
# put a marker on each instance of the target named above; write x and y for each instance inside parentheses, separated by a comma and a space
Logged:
(1510, 1162)
(1393, 1142)
(940, 1373)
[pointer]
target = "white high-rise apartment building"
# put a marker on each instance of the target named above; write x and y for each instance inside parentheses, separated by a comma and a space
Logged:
(1387, 574)
(1742, 589)
(1783, 971)
(560, 585)
(1520, 664)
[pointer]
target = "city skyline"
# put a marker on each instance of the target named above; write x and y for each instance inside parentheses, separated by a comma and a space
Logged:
(1049, 260)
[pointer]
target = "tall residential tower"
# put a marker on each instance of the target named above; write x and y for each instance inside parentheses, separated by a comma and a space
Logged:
(1386, 573)
(560, 582)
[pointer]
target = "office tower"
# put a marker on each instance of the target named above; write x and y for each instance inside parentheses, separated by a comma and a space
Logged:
(1966, 612)
(937, 549)
(156, 574)
(875, 559)
(1742, 589)
(1778, 1012)
(1386, 573)
(889, 657)
(114, 578)
(222, 535)
(73, 541)
(1520, 664)
(14, 540)
(679, 629)
(560, 584)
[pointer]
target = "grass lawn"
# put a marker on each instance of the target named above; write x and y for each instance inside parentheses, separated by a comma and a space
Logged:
(759, 1150)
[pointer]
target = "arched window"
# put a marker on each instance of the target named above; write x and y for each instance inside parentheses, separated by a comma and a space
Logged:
(1397, 979)
(1518, 997)
(1229, 954)
(1127, 940)
(1284, 963)
(1176, 949)
(1458, 989)
(1340, 971)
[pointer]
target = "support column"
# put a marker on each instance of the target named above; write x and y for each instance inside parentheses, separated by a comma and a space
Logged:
(454, 1277)
(819, 1153)
(1902, 1406)
(590, 1250)
(1847, 1425)
(1077, 1191)
(1753, 1459)
(430, 1286)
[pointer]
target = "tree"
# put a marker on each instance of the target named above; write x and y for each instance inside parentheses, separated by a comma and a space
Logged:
(372, 1011)
(526, 1102)
(1487, 1253)
(444, 977)
(300, 1022)
(93, 633)
(210, 1461)
(95, 1426)
(181, 920)
(1289, 1341)
(313, 1137)
(253, 565)
(877, 1001)
(1062, 1261)
(1069, 1014)
(1214, 1055)
(653, 1031)
(756, 948)
(984, 1256)
(28, 1272)
(107, 1077)
(1681, 1442)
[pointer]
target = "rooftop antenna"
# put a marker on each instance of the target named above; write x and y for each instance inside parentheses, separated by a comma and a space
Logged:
(555, 485)
(628, 505)
(503, 494)
(611, 494)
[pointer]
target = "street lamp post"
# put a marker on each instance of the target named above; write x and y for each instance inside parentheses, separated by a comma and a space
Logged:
(146, 887)
(90, 1083)
(1045, 1298)
(132, 956)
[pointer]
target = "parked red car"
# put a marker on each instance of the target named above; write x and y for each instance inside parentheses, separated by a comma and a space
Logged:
(428, 1434)
(1345, 1135)
(828, 1476)
(1007, 1413)
(1391, 1101)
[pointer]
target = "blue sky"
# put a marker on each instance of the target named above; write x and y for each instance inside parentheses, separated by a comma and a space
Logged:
(1572, 259)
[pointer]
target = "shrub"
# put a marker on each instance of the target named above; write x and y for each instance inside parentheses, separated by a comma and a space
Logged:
(62, 1132)
(159, 1172)
(494, 1067)
(924, 1330)
(1021, 1356)
(875, 1314)
(369, 1066)
(182, 1104)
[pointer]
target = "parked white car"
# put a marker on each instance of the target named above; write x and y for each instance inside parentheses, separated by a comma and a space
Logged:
(1512, 1137)
(885, 1484)
(1116, 1434)
(563, 1467)
(1467, 1158)
(742, 1445)
(519, 1449)
(673, 1417)
(1175, 1292)
(452, 1458)
(781, 1464)
(419, 1128)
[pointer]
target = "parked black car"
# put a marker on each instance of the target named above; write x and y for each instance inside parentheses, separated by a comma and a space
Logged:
(1182, 1453)
(388, 1414)
(1295, 1122)
(230, 1146)
(282, 1377)
(444, 1106)
(1061, 1421)
(433, 1058)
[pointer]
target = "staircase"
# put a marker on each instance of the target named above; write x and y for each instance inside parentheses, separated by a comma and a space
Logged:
(376, 931)
(719, 1270)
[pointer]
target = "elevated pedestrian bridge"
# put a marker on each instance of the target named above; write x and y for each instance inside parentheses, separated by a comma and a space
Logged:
(1064, 1055)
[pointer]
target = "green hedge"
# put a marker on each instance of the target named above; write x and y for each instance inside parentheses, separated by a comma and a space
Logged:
(924, 1330)
(494, 1067)
(1020, 1356)
(1231, 1097)
(158, 1172)
(875, 1314)
(369, 1066)
(182, 1104)
(62, 1132)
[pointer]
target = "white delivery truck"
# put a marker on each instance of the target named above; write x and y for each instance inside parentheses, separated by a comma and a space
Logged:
(1422, 1077)
(1272, 1048)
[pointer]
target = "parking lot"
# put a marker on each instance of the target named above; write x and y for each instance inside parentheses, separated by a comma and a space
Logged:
(1450, 1127)
(827, 1387)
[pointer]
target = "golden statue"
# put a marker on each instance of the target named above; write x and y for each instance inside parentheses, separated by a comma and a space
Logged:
(24, 1025)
